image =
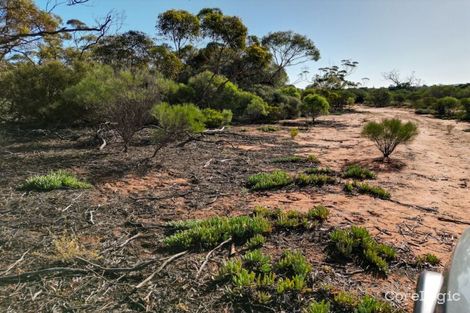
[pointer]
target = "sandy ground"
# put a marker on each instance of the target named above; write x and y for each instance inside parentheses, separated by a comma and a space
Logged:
(433, 173)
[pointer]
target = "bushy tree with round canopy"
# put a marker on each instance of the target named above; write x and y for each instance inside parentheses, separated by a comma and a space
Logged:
(315, 105)
(289, 48)
(178, 26)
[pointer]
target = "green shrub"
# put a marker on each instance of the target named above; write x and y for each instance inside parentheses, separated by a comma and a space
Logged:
(175, 122)
(315, 105)
(348, 187)
(356, 242)
(466, 105)
(369, 304)
(313, 179)
(293, 263)
(296, 159)
(319, 213)
(54, 180)
(317, 307)
(320, 171)
(216, 119)
(380, 97)
(269, 128)
(293, 132)
(358, 172)
(291, 220)
(296, 283)
(273, 180)
(428, 258)
(346, 300)
(445, 105)
(211, 232)
(257, 262)
(256, 242)
(374, 191)
(34, 91)
(256, 110)
(389, 133)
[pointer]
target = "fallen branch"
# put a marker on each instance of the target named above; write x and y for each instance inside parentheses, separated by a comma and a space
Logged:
(15, 264)
(209, 254)
(418, 207)
(66, 271)
(451, 220)
(141, 284)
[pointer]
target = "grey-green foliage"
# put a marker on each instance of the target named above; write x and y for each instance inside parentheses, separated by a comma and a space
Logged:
(389, 133)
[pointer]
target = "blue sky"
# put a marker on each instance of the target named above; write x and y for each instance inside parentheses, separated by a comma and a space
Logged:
(429, 37)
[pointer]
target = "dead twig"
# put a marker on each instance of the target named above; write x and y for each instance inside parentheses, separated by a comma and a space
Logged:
(15, 264)
(141, 284)
(209, 254)
(73, 201)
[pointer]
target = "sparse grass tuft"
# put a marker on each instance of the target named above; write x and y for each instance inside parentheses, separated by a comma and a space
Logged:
(211, 232)
(273, 180)
(54, 180)
(428, 258)
(356, 243)
(357, 172)
(269, 128)
(313, 179)
(68, 248)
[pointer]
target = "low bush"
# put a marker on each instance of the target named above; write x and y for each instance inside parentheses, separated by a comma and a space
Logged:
(315, 105)
(269, 128)
(296, 283)
(175, 122)
(54, 180)
(273, 180)
(289, 159)
(356, 243)
(293, 263)
(255, 242)
(216, 119)
(374, 191)
(296, 159)
(257, 262)
(389, 133)
(208, 233)
(357, 172)
(380, 97)
(319, 213)
(313, 179)
(466, 106)
(318, 307)
(320, 171)
(445, 105)
(291, 220)
(428, 258)
(294, 131)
